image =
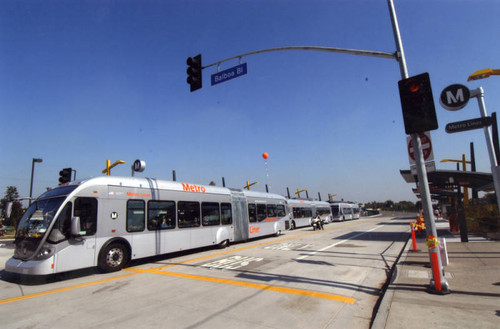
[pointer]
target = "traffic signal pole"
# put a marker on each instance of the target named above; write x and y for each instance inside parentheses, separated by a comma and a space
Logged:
(438, 284)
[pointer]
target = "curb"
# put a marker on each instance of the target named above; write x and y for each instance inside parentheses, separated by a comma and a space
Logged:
(380, 318)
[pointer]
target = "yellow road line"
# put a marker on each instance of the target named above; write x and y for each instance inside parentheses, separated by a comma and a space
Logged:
(49, 292)
(252, 285)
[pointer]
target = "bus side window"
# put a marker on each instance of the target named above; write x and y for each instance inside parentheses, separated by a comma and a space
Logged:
(271, 210)
(188, 214)
(261, 212)
(135, 215)
(86, 209)
(161, 215)
(252, 213)
(281, 210)
(210, 213)
(227, 216)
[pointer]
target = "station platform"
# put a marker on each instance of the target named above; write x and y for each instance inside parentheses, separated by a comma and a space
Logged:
(473, 276)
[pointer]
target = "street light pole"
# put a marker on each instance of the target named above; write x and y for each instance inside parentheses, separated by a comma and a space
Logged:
(32, 171)
(479, 94)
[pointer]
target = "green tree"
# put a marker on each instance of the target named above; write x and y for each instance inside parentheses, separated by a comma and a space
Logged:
(11, 195)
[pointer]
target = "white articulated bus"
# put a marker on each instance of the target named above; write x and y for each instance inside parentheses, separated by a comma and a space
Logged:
(301, 212)
(341, 211)
(356, 211)
(322, 208)
(108, 221)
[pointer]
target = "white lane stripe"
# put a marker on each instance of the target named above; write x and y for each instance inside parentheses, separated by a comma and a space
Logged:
(337, 243)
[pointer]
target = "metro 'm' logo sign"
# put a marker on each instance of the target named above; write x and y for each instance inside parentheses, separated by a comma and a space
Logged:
(193, 188)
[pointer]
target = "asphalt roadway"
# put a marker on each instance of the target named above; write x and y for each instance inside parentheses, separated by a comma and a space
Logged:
(473, 275)
(303, 279)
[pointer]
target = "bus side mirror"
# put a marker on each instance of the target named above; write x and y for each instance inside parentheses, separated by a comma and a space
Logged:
(8, 209)
(75, 226)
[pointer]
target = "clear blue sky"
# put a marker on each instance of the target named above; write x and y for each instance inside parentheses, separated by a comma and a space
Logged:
(86, 81)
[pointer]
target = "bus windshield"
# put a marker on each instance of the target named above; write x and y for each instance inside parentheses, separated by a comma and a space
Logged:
(34, 224)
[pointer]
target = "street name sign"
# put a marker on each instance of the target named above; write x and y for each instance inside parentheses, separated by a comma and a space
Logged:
(231, 73)
(454, 97)
(455, 127)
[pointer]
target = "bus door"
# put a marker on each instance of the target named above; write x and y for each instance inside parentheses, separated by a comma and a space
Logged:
(80, 252)
(240, 217)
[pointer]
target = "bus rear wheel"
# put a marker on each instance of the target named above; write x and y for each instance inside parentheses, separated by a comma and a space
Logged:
(113, 258)
(224, 244)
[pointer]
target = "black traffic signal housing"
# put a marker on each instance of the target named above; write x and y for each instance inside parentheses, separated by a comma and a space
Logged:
(419, 113)
(65, 176)
(194, 72)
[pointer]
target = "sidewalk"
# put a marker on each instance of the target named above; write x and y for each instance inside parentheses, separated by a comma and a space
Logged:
(473, 275)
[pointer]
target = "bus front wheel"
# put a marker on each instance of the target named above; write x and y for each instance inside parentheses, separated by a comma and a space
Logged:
(113, 257)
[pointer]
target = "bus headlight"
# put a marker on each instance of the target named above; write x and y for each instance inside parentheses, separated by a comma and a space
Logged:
(45, 252)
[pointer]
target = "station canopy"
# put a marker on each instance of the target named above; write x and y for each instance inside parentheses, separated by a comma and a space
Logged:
(444, 182)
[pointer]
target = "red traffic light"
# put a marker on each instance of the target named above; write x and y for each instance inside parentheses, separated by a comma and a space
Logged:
(414, 87)
(417, 103)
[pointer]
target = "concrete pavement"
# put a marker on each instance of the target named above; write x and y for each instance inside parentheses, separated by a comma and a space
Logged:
(473, 275)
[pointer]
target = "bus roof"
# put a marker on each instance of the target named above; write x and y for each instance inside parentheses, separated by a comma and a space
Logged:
(263, 195)
(149, 183)
(300, 201)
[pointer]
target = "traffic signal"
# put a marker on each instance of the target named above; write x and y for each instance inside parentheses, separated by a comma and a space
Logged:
(419, 113)
(65, 176)
(194, 72)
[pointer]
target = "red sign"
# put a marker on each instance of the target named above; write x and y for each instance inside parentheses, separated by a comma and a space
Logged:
(426, 143)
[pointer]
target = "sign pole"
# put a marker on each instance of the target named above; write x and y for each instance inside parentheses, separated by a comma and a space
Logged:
(442, 284)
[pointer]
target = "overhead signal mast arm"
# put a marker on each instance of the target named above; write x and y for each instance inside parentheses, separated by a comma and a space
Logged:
(315, 48)
(195, 66)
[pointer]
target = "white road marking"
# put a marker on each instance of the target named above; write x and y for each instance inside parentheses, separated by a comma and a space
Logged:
(312, 253)
(232, 263)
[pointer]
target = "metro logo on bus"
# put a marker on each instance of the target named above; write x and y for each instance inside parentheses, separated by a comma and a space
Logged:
(193, 188)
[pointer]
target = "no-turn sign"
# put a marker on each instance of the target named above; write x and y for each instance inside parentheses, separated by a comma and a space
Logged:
(425, 140)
